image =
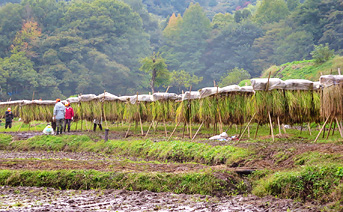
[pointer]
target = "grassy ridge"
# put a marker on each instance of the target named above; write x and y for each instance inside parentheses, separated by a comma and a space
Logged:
(179, 151)
(322, 183)
(188, 183)
(305, 69)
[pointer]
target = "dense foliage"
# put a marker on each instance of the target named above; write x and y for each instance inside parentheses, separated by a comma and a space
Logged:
(52, 49)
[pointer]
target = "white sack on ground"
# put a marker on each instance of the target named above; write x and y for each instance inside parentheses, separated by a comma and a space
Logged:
(190, 95)
(141, 98)
(261, 84)
(73, 100)
(107, 97)
(87, 97)
(298, 84)
(329, 80)
(230, 88)
(208, 91)
(165, 96)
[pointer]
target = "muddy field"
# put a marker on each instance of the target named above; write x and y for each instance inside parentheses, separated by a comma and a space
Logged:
(48, 199)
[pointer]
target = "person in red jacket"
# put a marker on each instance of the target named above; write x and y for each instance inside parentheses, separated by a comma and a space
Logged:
(69, 116)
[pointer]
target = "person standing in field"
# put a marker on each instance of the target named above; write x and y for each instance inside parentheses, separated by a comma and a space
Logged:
(69, 116)
(59, 113)
(8, 118)
(97, 122)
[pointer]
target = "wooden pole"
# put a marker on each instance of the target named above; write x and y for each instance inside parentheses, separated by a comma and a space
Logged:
(339, 128)
(174, 130)
(321, 129)
(284, 129)
(309, 128)
(165, 128)
(330, 126)
(246, 127)
(190, 113)
(197, 131)
(140, 118)
(148, 129)
(127, 132)
(278, 122)
(258, 124)
(271, 126)
(102, 107)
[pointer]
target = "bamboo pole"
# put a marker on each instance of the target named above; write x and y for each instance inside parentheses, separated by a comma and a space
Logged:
(197, 131)
(148, 129)
(246, 127)
(278, 122)
(309, 128)
(139, 114)
(102, 108)
(165, 128)
(174, 130)
(127, 132)
(258, 124)
(321, 129)
(330, 126)
(339, 128)
(271, 126)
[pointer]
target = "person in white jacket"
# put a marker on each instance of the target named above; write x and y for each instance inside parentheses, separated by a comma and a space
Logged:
(59, 112)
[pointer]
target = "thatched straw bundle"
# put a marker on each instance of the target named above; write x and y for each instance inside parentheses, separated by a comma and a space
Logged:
(332, 97)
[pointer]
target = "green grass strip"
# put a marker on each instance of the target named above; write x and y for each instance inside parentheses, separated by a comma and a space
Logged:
(188, 183)
(320, 183)
(178, 151)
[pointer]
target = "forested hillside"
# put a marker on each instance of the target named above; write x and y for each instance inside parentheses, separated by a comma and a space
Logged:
(52, 48)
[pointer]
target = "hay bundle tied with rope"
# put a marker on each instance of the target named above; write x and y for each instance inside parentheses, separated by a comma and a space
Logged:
(332, 96)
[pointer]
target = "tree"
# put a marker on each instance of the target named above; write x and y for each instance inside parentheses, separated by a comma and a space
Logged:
(26, 39)
(234, 76)
(21, 78)
(157, 69)
(322, 53)
(185, 49)
(182, 79)
(271, 11)
(221, 20)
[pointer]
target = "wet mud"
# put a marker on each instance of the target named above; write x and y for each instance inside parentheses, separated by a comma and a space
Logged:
(48, 199)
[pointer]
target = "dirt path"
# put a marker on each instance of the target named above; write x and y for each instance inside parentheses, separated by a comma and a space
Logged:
(48, 199)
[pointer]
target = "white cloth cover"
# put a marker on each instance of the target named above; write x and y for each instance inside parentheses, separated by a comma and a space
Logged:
(73, 100)
(329, 80)
(230, 88)
(261, 84)
(87, 97)
(298, 84)
(247, 89)
(208, 91)
(190, 95)
(316, 86)
(43, 102)
(141, 98)
(165, 96)
(124, 98)
(18, 102)
(107, 97)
